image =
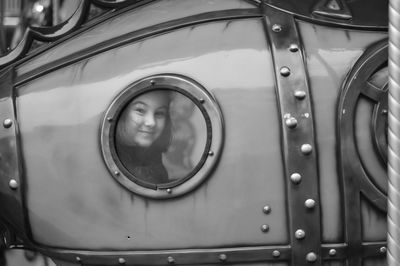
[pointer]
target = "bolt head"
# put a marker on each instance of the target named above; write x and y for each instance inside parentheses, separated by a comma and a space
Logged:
(121, 261)
(299, 94)
(309, 203)
(276, 254)
(291, 122)
(285, 71)
(332, 252)
(265, 228)
(300, 234)
(383, 250)
(295, 178)
(169, 191)
(13, 184)
(311, 257)
(306, 149)
(267, 209)
(293, 48)
(276, 28)
(7, 123)
(222, 257)
(170, 260)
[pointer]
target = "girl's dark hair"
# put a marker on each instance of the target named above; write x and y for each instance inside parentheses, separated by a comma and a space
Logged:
(165, 138)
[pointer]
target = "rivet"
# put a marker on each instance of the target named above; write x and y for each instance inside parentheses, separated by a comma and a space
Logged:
(109, 119)
(78, 259)
(293, 48)
(311, 257)
(13, 184)
(384, 112)
(121, 261)
(276, 28)
(276, 254)
(152, 82)
(306, 149)
(169, 191)
(287, 115)
(211, 153)
(332, 252)
(295, 178)
(291, 122)
(170, 260)
(222, 257)
(7, 123)
(201, 100)
(299, 94)
(265, 228)
(383, 250)
(267, 209)
(116, 173)
(285, 71)
(309, 203)
(300, 234)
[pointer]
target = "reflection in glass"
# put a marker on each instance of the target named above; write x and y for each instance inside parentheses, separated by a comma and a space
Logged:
(156, 138)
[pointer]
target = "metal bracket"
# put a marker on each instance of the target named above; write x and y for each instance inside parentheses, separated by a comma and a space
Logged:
(298, 139)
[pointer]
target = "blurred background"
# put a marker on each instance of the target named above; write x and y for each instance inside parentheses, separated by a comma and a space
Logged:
(17, 15)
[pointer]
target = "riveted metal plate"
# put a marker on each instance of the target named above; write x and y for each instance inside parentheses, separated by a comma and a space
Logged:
(213, 136)
(11, 183)
(298, 144)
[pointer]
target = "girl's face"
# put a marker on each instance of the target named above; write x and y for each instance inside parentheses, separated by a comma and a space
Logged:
(145, 118)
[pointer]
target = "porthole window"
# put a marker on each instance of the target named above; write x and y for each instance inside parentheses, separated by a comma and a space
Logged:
(162, 136)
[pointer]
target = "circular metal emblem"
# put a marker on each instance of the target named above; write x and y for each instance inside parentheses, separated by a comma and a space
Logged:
(162, 136)
(362, 126)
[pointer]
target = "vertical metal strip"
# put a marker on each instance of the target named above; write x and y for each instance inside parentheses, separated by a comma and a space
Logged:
(298, 139)
(394, 135)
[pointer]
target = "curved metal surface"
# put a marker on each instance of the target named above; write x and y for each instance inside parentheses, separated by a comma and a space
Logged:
(298, 141)
(63, 158)
(142, 19)
(12, 185)
(355, 178)
(394, 135)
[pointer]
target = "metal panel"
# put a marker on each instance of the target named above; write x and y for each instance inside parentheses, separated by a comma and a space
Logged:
(63, 158)
(299, 149)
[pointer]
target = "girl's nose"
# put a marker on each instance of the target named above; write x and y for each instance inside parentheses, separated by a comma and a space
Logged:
(150, 121)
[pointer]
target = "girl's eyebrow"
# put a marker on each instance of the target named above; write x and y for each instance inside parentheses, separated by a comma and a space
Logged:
(139, 102)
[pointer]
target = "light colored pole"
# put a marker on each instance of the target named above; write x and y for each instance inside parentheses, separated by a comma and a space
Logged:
(393, 255)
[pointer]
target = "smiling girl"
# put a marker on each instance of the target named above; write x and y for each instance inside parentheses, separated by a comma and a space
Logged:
(143, 133)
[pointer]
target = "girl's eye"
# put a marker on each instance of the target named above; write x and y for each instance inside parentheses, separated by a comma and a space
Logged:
(160, 114)
(140, 110)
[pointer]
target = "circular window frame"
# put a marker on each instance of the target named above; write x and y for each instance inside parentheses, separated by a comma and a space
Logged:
(211, 113)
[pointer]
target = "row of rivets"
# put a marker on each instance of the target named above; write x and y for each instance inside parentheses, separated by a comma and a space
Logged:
(7, 123)
(305, 149)
(265, 227)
